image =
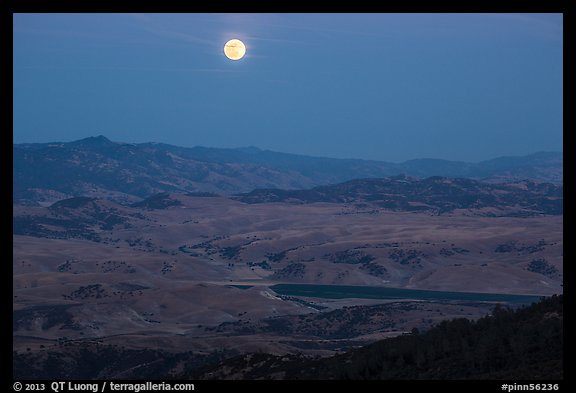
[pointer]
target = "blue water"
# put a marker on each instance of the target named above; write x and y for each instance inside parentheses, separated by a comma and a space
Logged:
(369, 292)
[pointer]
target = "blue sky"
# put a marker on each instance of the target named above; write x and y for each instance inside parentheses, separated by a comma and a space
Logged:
(388, 87)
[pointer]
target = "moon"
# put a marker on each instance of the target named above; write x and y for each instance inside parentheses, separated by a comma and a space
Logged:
(234, 49)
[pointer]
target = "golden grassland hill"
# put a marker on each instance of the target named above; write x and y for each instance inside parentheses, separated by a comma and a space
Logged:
(190, 277)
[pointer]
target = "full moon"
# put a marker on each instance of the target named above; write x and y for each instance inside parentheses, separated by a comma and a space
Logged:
(234, 49)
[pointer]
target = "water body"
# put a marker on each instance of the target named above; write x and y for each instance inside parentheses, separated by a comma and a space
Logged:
(368, 292)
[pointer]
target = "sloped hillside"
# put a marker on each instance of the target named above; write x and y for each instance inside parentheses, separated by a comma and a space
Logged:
(522, 344)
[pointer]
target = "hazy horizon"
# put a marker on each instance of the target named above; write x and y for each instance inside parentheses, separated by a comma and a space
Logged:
(386, 87)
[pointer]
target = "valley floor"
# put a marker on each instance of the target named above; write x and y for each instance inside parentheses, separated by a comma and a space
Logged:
(212, 278)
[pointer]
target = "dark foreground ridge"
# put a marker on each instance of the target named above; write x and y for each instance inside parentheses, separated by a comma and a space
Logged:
(525, 343)
(509, 344)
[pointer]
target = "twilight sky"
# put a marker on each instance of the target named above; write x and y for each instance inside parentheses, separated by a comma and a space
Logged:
(389, 87)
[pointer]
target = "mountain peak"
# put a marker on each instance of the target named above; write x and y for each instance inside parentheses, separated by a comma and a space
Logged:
(99, 140)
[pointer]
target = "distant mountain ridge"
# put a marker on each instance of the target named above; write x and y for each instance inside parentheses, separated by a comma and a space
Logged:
(125, 172)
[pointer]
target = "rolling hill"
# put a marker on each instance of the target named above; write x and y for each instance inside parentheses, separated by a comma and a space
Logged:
(434, 194)
(150, 260)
